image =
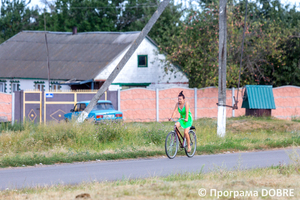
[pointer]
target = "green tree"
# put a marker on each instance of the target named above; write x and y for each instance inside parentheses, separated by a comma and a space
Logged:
(86, 15)
(115, 15)
(135, 15)
(196, 48)
(283, 70)
(15, 17)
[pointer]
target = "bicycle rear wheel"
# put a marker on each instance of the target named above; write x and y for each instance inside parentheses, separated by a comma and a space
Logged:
(171, 145)
(193, 143)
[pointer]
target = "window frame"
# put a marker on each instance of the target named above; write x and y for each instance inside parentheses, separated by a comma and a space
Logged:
(13, 85)
(142, 66)
(75, 108)
(55, 87)
(42, 86)
(105, 106)
(3, 87)
(82, 106)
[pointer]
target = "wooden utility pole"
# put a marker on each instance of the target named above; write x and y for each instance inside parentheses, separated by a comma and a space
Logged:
(221, 130)
(124, 60)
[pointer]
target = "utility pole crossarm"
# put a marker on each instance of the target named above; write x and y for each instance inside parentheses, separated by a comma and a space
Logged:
(124, 60)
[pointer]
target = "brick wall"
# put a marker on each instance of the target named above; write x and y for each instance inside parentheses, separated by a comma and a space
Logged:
(207, 99)
(169, 97)
(287, 101)
(5, 106)
(140, 104)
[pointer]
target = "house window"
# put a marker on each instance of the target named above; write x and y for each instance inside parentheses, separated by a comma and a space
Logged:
(14, 87)
(39, 87)
(142, 60)
(55, 87)
(2, 87)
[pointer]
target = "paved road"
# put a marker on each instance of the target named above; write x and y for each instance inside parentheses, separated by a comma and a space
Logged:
(139, 168)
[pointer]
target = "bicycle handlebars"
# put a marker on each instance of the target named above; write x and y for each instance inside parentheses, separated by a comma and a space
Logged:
(177, 120)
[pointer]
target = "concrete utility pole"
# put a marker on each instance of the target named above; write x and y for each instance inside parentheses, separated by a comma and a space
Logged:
(221, 130)
(46, 42)
(124, 60)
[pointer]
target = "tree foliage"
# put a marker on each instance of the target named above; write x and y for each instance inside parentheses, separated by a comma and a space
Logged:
(114, 15)
(86, 15)
(15, 17)
(188, 36)
(266, 44)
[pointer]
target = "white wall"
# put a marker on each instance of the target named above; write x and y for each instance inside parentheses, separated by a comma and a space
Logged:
(28, 84)
(131, 73)
(7, 84)
(153, 74)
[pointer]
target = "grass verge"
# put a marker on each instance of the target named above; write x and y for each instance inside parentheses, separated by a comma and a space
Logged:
(30, 144)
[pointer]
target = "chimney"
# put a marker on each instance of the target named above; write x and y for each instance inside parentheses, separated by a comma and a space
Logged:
(74, 30)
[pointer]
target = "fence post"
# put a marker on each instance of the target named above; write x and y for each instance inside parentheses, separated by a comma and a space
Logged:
(119, 100)
(195, 100)
(23, 106)
(157, 104)
(13, 108)
(232, 101)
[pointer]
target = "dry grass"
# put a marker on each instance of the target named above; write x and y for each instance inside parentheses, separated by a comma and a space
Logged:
(172, 187)
(58, 141)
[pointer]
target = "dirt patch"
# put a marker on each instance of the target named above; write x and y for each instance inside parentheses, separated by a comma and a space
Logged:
(278, 126)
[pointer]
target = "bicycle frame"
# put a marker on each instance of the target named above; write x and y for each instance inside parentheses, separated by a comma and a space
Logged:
(179, 136)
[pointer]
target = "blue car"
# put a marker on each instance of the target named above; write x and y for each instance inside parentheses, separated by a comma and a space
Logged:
(102, 110)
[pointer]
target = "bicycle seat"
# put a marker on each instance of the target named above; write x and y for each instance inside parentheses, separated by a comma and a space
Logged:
(192, 128)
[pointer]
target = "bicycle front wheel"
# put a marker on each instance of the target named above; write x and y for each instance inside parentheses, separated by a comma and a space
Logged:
(171, 145)
(193, 143)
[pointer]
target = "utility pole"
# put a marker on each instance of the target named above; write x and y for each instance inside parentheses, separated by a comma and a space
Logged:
(46, 42)
(221, 130)
(124, 60)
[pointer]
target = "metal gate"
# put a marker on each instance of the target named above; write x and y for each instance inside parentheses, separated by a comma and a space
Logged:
(43, 106)
(56, 104)
(32, 106)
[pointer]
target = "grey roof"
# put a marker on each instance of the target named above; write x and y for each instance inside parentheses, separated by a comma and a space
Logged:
(82, 56)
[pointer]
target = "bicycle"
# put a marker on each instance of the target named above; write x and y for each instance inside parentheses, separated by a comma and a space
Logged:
(175, 137)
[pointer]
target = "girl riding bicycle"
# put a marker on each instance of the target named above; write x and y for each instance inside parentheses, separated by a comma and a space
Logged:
(185, 113)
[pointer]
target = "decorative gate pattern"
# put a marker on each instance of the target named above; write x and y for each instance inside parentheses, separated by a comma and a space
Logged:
(56, 104)
(32, 106)
(40, 106)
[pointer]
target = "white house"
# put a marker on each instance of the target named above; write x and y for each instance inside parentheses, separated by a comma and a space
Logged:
(82, 61)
